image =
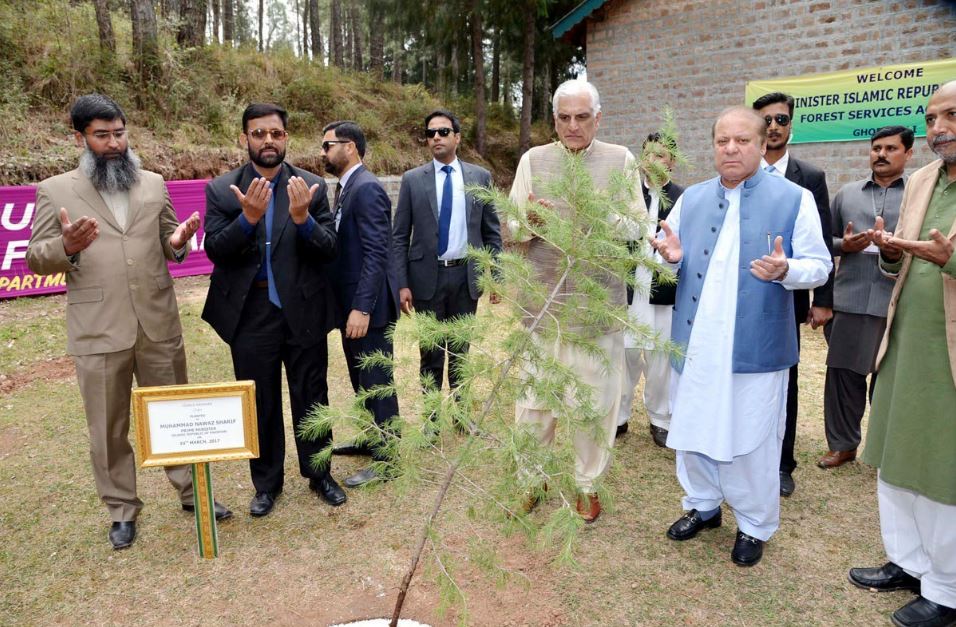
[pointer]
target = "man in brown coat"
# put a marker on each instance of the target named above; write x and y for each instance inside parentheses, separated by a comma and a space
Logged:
(111, 227)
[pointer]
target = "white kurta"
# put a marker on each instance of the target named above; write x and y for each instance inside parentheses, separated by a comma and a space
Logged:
(640, 356)
(717, 412)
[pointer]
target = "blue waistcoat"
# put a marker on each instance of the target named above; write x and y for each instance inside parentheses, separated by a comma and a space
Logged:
(765, 338)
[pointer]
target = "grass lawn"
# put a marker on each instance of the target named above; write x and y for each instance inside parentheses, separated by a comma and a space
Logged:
(309, 564)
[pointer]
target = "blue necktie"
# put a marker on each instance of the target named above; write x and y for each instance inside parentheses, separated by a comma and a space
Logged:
(444, 217)
(273, 293)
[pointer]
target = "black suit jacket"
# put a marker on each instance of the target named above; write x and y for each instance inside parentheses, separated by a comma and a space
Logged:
(298, 264)
(663, 294)
(362, 274)
(415, 232)
(660, 294)
(813, 178)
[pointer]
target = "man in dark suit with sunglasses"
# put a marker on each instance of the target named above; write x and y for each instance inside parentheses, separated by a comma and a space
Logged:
(269, 234)
(365, 286)
(777, 111)
(435, 222)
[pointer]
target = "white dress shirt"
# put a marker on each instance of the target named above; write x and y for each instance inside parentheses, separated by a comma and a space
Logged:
(458, 229)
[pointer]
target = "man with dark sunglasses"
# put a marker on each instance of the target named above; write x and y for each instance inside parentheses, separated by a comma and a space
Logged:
(435, 223)
(269, 234)
(777, 111)
(364, 283)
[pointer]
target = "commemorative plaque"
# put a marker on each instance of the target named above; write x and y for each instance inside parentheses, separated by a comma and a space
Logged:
(197, 424)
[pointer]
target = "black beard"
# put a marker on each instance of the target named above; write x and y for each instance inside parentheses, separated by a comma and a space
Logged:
(266, 162)
(331, 168)
(116, 174)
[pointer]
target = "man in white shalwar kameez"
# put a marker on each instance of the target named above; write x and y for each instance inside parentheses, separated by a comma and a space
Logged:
(740, 242)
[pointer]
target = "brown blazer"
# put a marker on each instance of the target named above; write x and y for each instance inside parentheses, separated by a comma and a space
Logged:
(121, 280)
(916, 197)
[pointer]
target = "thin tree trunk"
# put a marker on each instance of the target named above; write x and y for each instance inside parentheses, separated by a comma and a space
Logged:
(496, 66)
(145, 41)
(441, 63)
(376, 41)
(192, 24)
(454, 69)
(355, 11)
(346, 22)
(302, 15)
(527, 79)
(104, 24)
(335, 34)
(397, 60)
(478, 59)
(229, 21)
(315, 30)
(545, 93)
(216, 20)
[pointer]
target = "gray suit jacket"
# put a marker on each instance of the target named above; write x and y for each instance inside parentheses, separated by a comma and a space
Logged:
(119, 283)
(860, 287)
(415, 229)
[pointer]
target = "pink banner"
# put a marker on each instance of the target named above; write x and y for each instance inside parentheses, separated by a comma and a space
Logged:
(16, 221)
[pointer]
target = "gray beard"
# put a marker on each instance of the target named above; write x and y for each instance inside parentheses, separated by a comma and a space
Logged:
(110, 175)
(947, 159)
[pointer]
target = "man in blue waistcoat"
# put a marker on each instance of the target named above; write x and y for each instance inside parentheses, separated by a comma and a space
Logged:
(741, 243)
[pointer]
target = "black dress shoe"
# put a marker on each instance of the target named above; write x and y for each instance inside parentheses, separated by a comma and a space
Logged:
(262, 503)
(921, 612)
(351, 448)
(366, 475)
(659, 435)
(787, 486)
(122, 534)
(885, 578)
(621, 430)
(690, 523)
(328, 490)
(747, 550)
(222, 512)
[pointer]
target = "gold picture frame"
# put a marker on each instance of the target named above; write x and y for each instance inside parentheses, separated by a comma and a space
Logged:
(195, 423)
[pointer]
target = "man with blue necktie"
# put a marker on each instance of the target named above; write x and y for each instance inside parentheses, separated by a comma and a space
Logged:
(435, 223)
(269, 234)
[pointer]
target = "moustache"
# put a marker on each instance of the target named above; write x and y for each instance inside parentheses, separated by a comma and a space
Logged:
(881, 161)
(942, 139)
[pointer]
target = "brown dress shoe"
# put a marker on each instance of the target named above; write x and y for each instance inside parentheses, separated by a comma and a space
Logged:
(589, 507)
(836, 458)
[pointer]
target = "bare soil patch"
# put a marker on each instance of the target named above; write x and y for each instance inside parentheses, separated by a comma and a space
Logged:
(55, 369)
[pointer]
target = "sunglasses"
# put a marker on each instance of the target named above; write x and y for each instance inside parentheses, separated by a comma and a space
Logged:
(443, 131)
(331, 142)
(276, 134)
(782, 119)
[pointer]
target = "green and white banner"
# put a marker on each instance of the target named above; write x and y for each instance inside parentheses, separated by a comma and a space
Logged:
(853, 104)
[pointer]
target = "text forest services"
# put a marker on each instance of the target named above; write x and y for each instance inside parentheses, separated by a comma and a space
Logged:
(853, 104)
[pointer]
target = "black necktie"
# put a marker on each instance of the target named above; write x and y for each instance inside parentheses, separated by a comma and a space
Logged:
(335, 200)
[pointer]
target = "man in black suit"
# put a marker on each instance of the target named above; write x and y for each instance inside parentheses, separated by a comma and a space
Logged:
(654, 304)
(435, 223)
(269, 234)
(362, 276)
(777, 111)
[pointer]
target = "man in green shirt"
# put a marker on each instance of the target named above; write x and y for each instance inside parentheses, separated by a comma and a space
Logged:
(912, 432)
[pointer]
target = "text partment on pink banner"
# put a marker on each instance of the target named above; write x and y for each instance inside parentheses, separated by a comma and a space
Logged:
(17, 211)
